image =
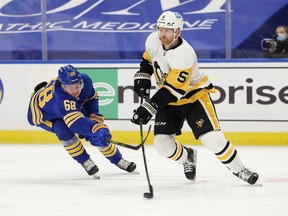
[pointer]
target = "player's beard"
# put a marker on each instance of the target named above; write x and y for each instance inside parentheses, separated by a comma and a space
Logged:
(168, 43)
(165, 41)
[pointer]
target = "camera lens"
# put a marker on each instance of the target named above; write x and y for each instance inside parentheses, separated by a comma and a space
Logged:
(267, 45)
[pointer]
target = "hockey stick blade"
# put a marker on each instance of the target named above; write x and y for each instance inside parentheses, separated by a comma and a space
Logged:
(129, 146)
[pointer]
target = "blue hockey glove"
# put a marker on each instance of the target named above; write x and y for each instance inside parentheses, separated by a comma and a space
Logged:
(142, 84)
(101, 133)
(144, 113)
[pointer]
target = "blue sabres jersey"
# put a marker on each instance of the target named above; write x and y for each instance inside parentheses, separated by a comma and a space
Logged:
(53, 102)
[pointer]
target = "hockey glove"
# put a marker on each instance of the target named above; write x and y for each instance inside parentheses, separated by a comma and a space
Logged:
(97, 118)
(142, 84)
(144, 113)
(101, 133)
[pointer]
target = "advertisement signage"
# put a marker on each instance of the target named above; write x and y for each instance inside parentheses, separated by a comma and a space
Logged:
(246, 93)
(105, 82)
(102, 29)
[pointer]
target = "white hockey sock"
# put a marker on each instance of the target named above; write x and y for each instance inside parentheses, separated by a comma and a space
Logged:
(223, 149)
(167, 146)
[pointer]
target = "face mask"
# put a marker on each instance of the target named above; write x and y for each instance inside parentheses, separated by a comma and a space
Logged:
(281, 37)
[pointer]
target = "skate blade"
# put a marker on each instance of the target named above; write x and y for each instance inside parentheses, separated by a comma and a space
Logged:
(96, 176)
(258, 184)
(135, 172)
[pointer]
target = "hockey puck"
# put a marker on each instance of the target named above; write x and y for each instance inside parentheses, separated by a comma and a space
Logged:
(148, 195)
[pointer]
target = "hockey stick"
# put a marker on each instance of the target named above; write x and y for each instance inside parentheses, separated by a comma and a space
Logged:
(129, 146)
(149, 194)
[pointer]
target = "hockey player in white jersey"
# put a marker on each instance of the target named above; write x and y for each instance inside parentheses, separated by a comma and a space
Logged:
(183, 95)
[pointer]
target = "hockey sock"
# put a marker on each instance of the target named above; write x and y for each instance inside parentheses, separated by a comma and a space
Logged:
(167, 146)
(180, 153)
(111, 152)
(76, 150)
(223, 150)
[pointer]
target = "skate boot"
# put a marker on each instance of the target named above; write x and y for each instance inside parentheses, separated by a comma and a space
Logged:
(90, 167)
(126, 165)
(190, 164)
(248, 176)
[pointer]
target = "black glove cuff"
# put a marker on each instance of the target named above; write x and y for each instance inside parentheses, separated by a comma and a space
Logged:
(150, 107)
(142, 75)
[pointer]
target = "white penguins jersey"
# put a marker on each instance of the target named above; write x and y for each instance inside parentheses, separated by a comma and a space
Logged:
(178, 70)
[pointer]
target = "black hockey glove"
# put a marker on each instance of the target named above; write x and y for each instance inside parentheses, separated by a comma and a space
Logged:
(142, 84)
(144, 113)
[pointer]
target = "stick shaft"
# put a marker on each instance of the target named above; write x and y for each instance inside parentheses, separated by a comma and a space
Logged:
(144, 155)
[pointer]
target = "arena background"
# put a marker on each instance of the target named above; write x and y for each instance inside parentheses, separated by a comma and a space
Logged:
(106, 40)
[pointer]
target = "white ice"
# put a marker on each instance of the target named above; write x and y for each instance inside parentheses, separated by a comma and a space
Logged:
(42, 180)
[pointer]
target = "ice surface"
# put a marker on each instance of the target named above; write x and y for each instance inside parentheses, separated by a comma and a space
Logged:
(42, 180)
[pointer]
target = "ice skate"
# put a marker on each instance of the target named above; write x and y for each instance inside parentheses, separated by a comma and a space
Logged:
(90, 167)
(248, 176)
(190, 164)
(126, 165)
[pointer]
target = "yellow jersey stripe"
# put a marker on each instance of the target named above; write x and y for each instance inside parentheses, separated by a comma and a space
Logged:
(70, 118)
(48, 123)
(35, 110)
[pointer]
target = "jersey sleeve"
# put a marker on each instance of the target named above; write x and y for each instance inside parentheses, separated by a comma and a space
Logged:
(146, 65)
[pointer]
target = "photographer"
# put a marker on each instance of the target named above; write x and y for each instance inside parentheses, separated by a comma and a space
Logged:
(277, 46)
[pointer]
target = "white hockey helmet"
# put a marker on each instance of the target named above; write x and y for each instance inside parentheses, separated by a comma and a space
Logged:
(169, 19)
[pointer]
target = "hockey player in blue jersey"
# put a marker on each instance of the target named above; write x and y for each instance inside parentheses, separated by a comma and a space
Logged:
(68, 105)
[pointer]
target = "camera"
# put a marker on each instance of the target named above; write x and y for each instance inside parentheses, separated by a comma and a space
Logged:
(269, 44)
